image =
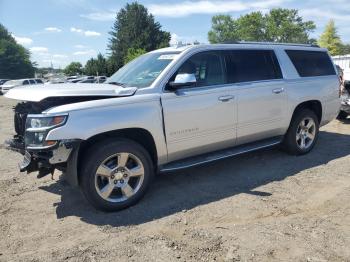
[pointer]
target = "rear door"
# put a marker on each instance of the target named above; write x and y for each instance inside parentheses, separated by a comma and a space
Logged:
(200, 118)
(261, 98)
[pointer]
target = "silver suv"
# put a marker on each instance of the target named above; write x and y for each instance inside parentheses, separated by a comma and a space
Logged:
(174, 108)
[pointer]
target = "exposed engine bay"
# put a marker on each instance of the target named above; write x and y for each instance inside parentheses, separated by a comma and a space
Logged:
(45, 161)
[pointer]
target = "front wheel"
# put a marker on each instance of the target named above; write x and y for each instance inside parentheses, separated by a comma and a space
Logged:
(302, 133)
(116, 174)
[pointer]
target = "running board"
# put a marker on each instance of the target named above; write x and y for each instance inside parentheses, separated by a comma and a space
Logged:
(213, 156)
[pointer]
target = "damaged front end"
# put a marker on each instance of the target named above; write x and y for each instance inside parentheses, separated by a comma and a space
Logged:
(345, 98)
(32, 127)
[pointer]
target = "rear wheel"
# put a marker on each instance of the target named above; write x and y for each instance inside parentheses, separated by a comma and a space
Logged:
(342, 115)
(116, 174)
(302, 133)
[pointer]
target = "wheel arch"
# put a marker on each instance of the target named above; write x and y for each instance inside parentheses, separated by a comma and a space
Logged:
(313, 105)
(138, 135)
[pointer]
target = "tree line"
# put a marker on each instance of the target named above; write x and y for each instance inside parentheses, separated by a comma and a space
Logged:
(135, 32)
(14, 58)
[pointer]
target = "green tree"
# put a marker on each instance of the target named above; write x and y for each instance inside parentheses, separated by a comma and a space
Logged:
(134, 28)
(14, 59)
(74, 68)
(345, 49)
(331, 40)
(224, 28)
(279, 25)
(91, 67)
(96, 66)
(133, 53)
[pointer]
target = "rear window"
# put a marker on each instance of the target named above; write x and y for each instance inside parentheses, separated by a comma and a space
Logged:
(311, 63)
(251, 65)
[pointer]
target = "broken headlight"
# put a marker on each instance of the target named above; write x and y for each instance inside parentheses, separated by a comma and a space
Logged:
(37, 128)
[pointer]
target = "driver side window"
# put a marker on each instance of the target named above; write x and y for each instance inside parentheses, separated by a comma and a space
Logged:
(207, 68)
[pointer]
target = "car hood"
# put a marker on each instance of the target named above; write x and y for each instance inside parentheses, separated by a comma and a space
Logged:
(36, 93)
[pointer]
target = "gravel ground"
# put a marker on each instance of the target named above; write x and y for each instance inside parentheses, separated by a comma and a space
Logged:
(262, 206)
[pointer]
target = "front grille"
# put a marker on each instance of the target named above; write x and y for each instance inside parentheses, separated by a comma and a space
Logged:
(20, 123)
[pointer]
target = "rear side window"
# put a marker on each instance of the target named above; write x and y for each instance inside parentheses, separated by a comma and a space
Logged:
(251, 65)
(311, 63)
(32, 82)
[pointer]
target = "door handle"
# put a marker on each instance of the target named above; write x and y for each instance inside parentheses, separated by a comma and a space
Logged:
(226, 98)
(278, 90)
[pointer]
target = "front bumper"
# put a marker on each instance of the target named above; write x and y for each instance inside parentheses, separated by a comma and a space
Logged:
(44, 160)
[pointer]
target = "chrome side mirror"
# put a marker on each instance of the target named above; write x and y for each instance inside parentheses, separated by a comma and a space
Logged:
(183, 79)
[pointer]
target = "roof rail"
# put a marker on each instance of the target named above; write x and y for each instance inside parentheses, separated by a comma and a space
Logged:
(269, 43)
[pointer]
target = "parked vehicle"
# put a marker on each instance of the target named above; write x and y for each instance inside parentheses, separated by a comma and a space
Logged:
(39, 81)
(101, 79)
(92, 79)
(343, 61)
(89, 80)
(56, 81)
(2, 81)
(345, 95)
(72, 78)
(82, 79)
(174, 108)
(19, 82)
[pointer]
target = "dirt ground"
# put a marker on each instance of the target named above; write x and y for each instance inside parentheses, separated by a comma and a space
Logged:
(262, 206)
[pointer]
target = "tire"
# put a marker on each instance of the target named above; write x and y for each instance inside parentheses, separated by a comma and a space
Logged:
(115, 174)
(298, 131)
(342, 115)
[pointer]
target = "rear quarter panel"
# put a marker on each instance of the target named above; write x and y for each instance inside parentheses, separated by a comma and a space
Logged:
(322, 88)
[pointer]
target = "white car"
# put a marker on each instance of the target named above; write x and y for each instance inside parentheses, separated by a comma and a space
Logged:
(19, 82)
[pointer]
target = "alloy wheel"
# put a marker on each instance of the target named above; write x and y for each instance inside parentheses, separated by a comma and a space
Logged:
(306, 133)
(119, 177)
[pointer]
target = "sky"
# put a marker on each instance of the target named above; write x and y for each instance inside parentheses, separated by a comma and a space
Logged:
(62, 31)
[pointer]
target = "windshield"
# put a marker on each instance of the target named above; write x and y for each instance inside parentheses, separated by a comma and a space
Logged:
(142, 71)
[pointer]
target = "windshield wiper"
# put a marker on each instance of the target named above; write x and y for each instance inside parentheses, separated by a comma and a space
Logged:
(117, 83)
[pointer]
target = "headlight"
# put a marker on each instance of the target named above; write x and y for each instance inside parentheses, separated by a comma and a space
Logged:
(44, 122)
(37, 128)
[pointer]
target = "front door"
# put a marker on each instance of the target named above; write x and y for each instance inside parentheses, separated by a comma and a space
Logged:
(200, 118)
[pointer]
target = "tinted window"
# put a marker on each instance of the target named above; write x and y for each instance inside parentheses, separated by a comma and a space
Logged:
(207, 67)
(39, 81)
(251, 65)
(311, 63)
(25, 82)
(32, 82)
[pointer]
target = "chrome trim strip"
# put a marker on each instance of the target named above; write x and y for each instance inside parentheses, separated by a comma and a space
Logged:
(40, 147)
(218, 158)
(46, 115)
